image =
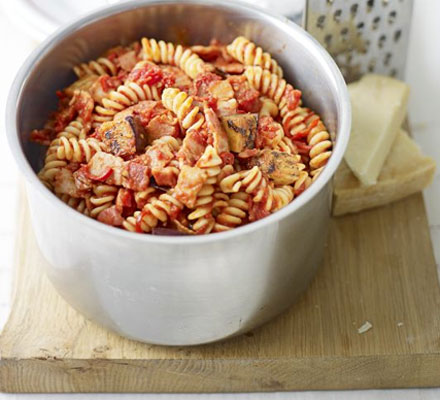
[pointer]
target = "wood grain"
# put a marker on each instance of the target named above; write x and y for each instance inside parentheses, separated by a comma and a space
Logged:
(379, 268)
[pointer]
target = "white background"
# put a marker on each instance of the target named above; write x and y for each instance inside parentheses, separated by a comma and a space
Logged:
(423, 74)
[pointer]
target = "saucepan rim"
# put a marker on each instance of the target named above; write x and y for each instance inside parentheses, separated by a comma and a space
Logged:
(289, 28)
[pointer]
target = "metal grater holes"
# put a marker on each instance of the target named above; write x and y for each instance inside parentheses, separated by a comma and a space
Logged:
(362, 36)
(328, 40)
(360, 27)
(320, 21)
(376, 22)
(370, 5)
(387, 59)
(354, 9)
(392, 17)
(344, 34)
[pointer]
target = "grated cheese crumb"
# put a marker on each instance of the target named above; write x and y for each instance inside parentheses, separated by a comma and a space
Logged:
(365, 327)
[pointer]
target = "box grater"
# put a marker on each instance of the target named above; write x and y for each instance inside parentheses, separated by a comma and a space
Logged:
(362, 36)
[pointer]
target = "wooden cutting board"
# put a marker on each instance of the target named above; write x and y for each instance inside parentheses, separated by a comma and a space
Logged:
(379, 268)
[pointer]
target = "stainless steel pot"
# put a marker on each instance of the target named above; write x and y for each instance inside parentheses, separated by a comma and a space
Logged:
(178, 290)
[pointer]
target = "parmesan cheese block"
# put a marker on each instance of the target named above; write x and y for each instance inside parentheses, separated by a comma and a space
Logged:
(406, 171)
(378, 108)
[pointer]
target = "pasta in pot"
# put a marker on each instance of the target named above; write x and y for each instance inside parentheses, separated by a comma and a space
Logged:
(157, 137)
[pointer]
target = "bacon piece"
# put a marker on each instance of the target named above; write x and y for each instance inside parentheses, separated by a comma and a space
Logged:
(101, 162)
(151, 74)
(111, 216)
(158, 156)
(82, 179)
(127, 61)
(62, 117)
(221, 89)
(202, 83)
(220, 138)
(102, 86)
(65, 184)
(189, 183)
(180, 79)
(247, 97)
(207, 53)
(125, 202)
(192, 148)
(83, 104)
(135, 176)
(267, 131)
(145, 110)
(165, 124)
(223, 93)
(228, 67)
(165, 177)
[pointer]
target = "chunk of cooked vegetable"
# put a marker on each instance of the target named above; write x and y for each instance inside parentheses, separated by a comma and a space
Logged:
(241, 130)
(124, 137)
(282, 168)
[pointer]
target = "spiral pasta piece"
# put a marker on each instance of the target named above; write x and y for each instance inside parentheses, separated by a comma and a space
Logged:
(234, 213)
(303, 181)
(103, 197)
(156, 210)
(253, 182)
(75, 150)
(282, 196)
(78, 204)
(168, 53)
(321, 145)
(181, 104)
(211, 163)
(124, 96)
(267, 83)
(248, 53)
(101, 66)
(52, 164)
(75, 129)
(296, 121)
(286, 145)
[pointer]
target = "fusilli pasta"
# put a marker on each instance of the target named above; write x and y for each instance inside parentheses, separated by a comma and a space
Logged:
(154, 138)
(243, 50)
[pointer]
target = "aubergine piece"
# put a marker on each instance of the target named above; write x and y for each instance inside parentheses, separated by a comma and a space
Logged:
(282, 168)
(124, 137)
(241, 130)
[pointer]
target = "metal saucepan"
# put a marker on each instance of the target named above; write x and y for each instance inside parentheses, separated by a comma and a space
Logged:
(178, 290)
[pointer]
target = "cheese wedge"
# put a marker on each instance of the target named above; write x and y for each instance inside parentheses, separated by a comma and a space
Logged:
(378, 108)
(406, 171)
